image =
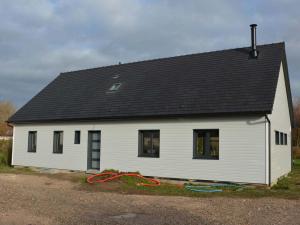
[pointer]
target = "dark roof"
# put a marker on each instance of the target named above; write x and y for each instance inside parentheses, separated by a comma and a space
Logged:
(219, 82)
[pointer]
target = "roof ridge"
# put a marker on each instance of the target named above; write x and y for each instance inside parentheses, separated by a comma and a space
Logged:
(165, 58)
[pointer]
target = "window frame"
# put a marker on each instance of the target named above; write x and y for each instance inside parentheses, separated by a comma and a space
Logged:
(32, 148)
(56, 149)
(285, 138)
(280, 138)
(77, 137)
(141, 144)
(277, 137)
(205, 156)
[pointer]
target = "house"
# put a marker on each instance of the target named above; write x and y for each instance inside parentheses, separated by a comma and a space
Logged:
(222, 116)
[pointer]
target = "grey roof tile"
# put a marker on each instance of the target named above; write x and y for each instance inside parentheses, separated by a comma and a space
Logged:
(226, 81)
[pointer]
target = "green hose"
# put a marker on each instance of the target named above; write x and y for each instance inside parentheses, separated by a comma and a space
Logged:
(206, 188)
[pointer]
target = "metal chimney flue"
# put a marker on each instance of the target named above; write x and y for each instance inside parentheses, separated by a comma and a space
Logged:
(254, 52)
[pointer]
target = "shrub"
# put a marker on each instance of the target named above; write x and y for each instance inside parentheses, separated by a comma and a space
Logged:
(282, 184)
(296, 152)
(3, 161)
(5, 152)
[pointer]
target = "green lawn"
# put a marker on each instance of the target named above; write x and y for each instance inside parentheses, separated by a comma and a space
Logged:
(287, 187)
(297, 162)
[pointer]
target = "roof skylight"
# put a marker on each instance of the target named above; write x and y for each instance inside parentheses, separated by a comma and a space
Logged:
(115, 87)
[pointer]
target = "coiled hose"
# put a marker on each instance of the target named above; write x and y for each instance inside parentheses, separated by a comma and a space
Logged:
(114, 175)
(208, 188)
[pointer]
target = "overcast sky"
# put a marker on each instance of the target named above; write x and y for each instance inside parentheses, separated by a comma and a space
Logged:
(41, 38)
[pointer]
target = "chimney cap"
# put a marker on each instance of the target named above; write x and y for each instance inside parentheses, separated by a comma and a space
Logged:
(253, 25)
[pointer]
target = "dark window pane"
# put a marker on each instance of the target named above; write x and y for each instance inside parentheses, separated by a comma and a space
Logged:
(281, 138)
(200, 144)
(77, 137)
(96, 136)
(285, 139)
(32, 141)
(58, 142)
(206, 144)
(277, 138)
(214, 144)
(149, 146)
(155, 142)
(115, 87)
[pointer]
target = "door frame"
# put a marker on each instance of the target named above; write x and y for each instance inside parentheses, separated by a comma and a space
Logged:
(89, 150)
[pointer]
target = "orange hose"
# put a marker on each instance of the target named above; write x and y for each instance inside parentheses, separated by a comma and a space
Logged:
(113, 175)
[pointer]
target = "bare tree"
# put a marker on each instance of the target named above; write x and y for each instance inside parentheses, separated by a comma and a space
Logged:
(297, 113)
(6, 110)
(296, 130)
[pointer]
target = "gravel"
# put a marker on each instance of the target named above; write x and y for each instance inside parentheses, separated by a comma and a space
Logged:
(29, 199)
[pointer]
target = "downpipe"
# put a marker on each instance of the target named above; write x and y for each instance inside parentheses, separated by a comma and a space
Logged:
(269, 147)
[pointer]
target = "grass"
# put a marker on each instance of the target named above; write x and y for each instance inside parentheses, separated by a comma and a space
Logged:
(9, 169)
(296, 162)
(287, 187)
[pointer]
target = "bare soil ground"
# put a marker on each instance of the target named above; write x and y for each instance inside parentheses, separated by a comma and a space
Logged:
(29, 199)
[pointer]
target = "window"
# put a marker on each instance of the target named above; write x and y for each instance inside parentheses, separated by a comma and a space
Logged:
(206, 144)
(77, 137)
(32, 141)
(285, 139)
(149, 143)
(115, 87)
(58, 142)
(280, 138)
(277, 137)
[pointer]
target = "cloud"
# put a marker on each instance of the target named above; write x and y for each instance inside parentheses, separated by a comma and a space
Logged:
(40, 38)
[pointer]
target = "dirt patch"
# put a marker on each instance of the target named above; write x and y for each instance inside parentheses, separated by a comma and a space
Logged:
(28, 199)
(14, 218)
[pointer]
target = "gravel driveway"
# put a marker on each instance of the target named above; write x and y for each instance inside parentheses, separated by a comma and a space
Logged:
(29, 199)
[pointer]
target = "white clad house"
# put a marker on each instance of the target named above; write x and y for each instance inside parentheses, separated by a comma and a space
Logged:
(222, 116)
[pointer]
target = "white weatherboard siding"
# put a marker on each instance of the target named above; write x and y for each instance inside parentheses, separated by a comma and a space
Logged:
(241, 158)
(280, 121)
